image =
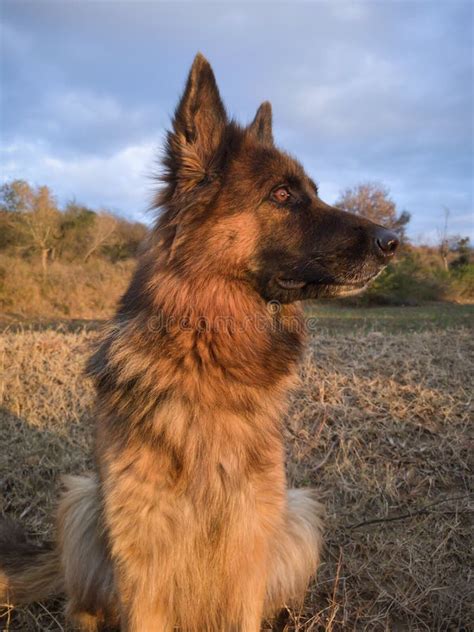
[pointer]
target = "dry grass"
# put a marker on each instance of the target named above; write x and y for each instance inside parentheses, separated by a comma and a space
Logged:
(380, 427)
(69, 289)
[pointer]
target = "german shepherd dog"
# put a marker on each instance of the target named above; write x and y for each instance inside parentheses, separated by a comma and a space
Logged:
(188, 522)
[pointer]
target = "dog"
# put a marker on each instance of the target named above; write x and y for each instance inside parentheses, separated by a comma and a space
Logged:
(188, 521)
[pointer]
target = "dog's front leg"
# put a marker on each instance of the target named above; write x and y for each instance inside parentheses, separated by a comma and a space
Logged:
(141, 609)
(140, 545)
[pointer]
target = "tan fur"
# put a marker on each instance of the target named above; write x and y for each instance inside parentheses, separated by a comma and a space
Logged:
(212, 529)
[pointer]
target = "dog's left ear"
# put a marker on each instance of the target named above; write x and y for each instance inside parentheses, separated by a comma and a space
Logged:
(198, 128)
(261, 126)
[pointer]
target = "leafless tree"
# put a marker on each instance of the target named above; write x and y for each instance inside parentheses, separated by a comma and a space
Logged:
(372, 200)
(444, 242)
(101, 233)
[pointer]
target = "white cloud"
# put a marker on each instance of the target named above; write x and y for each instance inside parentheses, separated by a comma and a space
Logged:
(84, 108)
(78, 121)
(358, 104)
(80, 108)
(118, 181)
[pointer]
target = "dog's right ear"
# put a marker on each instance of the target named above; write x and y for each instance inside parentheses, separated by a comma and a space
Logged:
(198, 127)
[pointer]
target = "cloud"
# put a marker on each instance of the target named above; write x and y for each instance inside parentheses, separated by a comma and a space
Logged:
(360, 90)
(119, 181)
(76, 122)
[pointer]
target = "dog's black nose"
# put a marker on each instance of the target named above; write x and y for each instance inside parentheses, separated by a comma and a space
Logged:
(386, 242)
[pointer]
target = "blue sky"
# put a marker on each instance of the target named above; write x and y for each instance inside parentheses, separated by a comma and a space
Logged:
(361, 90)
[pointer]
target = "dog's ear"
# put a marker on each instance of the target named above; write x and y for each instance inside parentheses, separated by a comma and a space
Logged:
(261, 126)
(198, 127)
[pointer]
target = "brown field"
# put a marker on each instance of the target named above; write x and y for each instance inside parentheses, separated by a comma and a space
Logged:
(69, 289)
(380, 426)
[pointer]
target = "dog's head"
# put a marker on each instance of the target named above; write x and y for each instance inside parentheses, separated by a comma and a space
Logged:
(235, 205)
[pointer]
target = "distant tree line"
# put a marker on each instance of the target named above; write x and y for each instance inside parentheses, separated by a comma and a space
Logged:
(32, 225)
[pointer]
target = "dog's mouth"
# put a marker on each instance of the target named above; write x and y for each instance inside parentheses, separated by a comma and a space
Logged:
(291, 284)
(333, 287)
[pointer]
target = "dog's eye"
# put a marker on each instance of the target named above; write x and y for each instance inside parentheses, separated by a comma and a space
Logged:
(281, 195)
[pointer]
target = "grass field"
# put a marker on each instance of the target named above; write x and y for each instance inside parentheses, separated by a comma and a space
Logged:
(381, 425)
(321, 318)
(420, 318)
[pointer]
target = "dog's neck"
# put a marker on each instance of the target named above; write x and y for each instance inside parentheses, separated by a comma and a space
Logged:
(211, 317)
(211, 342)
